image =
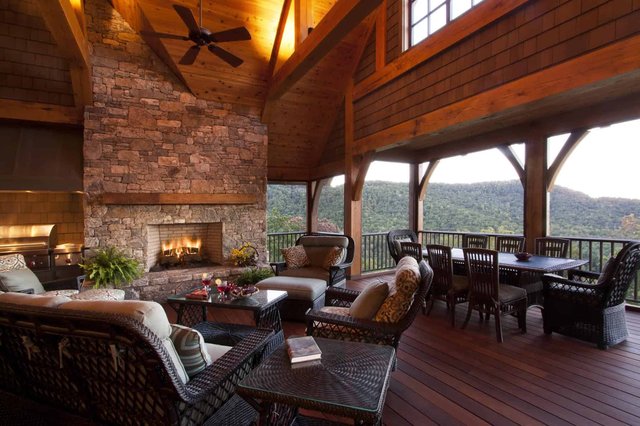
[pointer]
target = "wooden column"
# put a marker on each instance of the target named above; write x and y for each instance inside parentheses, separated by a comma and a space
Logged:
(536, 200)
(415, 202)
(352, 207)
(314, 189)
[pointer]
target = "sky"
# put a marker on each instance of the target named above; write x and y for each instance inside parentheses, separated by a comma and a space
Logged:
(603, 164)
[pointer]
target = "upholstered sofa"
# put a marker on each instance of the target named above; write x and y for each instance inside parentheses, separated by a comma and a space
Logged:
(119, 362)
(318, 249)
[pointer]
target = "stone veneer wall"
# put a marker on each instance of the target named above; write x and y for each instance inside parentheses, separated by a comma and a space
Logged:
(147, 133)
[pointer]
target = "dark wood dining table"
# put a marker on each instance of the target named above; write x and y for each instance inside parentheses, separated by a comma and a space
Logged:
(536, 263)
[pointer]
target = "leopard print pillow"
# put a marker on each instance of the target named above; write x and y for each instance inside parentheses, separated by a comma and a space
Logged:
(295, 257)
(335, 256)
(401, 292)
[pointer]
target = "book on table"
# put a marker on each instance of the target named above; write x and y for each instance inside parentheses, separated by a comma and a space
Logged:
(200, 294)
(301, 349)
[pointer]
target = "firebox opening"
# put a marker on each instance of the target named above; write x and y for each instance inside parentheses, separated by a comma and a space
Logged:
(192, 245)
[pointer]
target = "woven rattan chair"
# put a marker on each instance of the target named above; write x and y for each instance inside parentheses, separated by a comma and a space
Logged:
(552, 247)
(114, 370)
(395, 237)
(487, 295)
(591, 306)
(510, 244)
(334, 326)
(474, 241)
(446, 286)
(411, 249)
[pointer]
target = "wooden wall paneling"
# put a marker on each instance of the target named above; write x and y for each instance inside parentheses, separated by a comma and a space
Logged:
(596, 74)
(536, 198)
(395, 27)
(60, 17)
(43, 113)
(381, 36)
(570, 144)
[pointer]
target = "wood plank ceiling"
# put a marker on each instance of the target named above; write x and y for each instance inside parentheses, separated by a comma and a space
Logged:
(300, 117)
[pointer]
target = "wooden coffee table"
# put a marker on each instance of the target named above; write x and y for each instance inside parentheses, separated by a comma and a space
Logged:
(351, 381)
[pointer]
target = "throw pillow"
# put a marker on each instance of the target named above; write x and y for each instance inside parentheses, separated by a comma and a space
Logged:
(295, 257)
(607, 270)
(366, 305)
(20, 280)
(397, 245)
(401, 291)
(335, 256)
(191, 349)
(11, 262)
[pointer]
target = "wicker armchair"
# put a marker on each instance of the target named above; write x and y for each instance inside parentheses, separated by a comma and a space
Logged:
(487, 295)
(395, 238)
(475, 241)
(334, 326)
(552, 247)
(112, 369)
(591, 306)
(446, 286)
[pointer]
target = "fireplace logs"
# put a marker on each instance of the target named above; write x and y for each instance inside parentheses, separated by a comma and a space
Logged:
(184, 252)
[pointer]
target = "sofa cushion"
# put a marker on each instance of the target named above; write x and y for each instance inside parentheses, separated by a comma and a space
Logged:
(366, 305)
(10, 262)
(324, 241)
(69, 293)
(216, 351)
(316, 272)
(401, 291)
(297, 288)
(336, 310)
(150, 314)
(20, 280)
(191, 349)
(33, 299)
(295, 257)
(607, 270)
(100, 294)
(335, 256)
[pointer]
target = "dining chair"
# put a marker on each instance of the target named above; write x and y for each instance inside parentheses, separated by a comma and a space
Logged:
(411, 249)
(487, 295)
(446, 286)
(510, 244)
(474, 241)
(552, 247)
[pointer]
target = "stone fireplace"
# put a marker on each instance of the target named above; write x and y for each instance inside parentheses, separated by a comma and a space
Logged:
(180, 241)
(158, 159)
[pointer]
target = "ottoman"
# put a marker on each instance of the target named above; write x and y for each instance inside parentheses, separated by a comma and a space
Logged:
(303, 293)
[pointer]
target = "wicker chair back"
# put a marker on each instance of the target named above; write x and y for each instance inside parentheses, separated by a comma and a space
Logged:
(411, 249)
(483, 273)
(627, 263)
(406, 235)
(442, 265)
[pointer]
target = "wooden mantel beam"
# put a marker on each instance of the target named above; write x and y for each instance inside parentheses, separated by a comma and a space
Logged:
(41, 113)
(68, 32)
(337, 23)
(141, 198)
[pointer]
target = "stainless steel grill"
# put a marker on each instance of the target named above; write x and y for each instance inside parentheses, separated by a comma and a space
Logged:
(34, 242)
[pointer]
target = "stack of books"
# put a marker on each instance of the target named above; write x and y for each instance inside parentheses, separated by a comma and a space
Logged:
(303, 351)
(200, 294)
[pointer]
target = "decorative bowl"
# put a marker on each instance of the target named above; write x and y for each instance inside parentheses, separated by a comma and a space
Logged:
(244, 292)
(523, 255)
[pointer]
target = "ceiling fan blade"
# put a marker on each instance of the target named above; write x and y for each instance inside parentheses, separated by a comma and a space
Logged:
(187, 17)
(163, 35)
(234, 34)
(190, 56)
(228, 57)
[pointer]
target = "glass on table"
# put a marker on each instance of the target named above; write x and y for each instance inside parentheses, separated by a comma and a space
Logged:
(206, 281)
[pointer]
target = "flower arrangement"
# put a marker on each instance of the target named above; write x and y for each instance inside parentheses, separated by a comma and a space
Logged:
(245, 255)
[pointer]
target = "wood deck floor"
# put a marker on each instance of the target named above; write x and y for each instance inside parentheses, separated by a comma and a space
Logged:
(451, 376)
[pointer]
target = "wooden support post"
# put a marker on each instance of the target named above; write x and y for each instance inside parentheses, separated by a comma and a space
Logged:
(536, 200)
(303, 20)
(314, 189)
(415, 203)
(352, 207)
(381, 36)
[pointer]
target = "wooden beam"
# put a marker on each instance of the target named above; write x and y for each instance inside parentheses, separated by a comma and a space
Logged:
(303, 14)
(362, 168)
(314, 189)
(571, 143)
(416, 205)
(132, 198)
(40, 113)
(467, 24)
(62, 21)
(381, 36)
(275, 51)
(598, 69)
(338, 22)
(507, 151)
(535, 190)
(424, 182)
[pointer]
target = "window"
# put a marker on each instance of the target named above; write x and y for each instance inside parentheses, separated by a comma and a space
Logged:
(428, 16)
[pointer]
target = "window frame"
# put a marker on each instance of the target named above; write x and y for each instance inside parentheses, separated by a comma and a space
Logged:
(410, 24)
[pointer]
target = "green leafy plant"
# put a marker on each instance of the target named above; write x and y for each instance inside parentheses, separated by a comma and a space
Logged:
(253, 275)
(110, 266)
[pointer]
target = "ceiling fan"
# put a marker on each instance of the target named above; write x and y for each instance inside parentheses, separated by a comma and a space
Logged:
(201, 36)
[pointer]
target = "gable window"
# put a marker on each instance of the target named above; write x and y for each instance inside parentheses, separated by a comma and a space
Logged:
(428, 16)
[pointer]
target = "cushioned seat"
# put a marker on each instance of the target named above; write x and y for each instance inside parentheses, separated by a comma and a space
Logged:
(509, 293)
(313, 272)
(302, 294)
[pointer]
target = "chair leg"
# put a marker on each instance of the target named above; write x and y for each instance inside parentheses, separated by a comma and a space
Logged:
(451, 301)
(466, 321)
(546, 322)
(431, 301)
(498, 326)
(522, 317)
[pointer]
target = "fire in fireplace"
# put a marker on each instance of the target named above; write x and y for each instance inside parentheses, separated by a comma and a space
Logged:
(183, 245)
(180, 252)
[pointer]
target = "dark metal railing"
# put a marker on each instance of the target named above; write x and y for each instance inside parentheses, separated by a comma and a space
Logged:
(375, 253)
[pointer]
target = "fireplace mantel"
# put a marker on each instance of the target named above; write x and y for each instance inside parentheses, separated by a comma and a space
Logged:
(143, 198)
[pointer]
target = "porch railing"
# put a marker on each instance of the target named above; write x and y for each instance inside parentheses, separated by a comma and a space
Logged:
(376, 257)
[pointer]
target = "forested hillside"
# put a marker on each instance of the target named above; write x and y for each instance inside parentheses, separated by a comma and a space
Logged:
(480, 207)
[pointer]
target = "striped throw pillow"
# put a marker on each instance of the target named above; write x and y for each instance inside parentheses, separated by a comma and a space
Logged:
(191, 349)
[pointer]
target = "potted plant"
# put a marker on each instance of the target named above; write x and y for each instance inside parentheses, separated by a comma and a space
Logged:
(252, 276)
(111, 268)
